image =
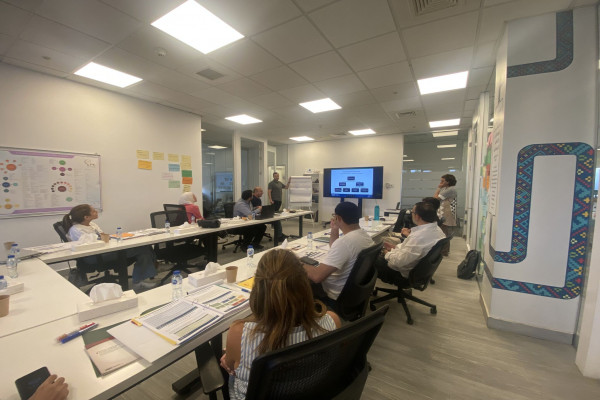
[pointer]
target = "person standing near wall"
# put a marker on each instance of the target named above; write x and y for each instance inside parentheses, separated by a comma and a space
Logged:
(275, 190)
(446, 193)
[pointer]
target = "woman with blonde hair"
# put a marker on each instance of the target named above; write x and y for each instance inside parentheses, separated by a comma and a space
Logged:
(283, 313)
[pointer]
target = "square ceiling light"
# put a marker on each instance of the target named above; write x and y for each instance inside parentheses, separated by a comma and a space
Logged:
(104, 74)
(197, 27)
(443, 83)
(243, 119)
(444, 133)
(361, 132)
(302, 138)
(446, 122)
(444, 146)
(321, 105)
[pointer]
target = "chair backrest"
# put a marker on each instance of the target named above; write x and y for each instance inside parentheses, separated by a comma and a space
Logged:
(319, 368)
(176, 214)
(353, 300)
(60, 229)
(158, 219)
(404, 220)
(421, 274)
(398, 205)
(228, 208)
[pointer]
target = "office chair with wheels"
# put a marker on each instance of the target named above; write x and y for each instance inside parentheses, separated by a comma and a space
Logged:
(176, 214)
(419, 278)
(228, 208)
(96, 264)
(176, 251)
(353, 300)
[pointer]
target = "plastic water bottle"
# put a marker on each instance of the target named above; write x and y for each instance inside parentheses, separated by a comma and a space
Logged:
(14, 250)
(376, 214)
(250, 256)
(309, 241)
(3, 283)
(119, 234)
(193, 219)
(177, 283)
(168, 227)
(11, 266)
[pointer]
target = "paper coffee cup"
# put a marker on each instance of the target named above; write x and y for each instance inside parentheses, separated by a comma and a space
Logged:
(4, 299)
(231, 273)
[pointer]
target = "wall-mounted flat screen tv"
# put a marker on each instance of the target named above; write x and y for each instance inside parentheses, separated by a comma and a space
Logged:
(359, 182)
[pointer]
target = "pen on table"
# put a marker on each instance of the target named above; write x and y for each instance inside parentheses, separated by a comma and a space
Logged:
(64, 338)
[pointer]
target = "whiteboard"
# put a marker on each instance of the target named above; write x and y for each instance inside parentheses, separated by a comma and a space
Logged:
(40, 182)
(300, 190)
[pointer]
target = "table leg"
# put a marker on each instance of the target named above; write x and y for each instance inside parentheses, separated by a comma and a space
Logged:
(300, 226)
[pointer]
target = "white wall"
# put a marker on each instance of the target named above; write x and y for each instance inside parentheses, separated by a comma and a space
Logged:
(360, 152)
(43, 112)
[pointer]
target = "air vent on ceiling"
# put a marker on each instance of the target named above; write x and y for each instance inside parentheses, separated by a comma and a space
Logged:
(421, 7)
(406, 114)
(210, 74)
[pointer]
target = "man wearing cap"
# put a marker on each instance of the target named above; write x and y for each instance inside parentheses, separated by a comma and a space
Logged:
(333, 272)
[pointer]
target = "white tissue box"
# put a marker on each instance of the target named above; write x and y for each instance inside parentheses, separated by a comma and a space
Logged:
(179, 231)
(13, 287)
(87, 246)
(90, 310)
(198, 279)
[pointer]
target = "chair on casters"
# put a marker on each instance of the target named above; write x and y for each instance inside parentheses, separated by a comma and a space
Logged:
(176, 251)
(353, 300)
(228, 208)
(99, 265)
(176, 213)
(419, 278)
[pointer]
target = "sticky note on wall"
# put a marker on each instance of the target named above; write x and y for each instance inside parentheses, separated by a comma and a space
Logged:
(144, 164)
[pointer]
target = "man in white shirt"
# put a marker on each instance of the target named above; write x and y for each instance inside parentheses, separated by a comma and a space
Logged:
(399, 260)
(333, 272)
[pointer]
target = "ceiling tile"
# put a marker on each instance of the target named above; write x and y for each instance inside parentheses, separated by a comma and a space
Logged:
(245, 57)
(471, 105)
(302, 94)
(293, 40)
(350, 21)
(218, 96)
(340, 85)
(442, 35)
(30, 5)
(382, 50)
(272, 100)
(485, 55)
(153, 90)
(190, 101)
(91, 17)
(66, 40)
(32, 53)
(396, 92)
(480, 76)
(13, 19)
(321, 67)
(35, 67)
(244, 88)
(354, 99)
(450, 102)
(473, 92)
(404, 15)
(309, 5)
(220, 112)
(387, 75)
(145, 10)
(251, 17)
(403, 105)
(5, 43)
(193, 66)
(448, 62)
(279, 78)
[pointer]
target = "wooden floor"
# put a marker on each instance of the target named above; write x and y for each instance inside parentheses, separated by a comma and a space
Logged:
(451, 355)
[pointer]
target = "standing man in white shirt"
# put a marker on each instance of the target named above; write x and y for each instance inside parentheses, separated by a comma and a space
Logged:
(399, 260)
(333, 272)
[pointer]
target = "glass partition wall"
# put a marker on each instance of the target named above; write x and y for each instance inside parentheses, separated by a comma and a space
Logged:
(217, 170)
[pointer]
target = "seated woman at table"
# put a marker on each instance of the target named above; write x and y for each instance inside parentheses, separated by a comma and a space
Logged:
(283, 313)
(80, 221)
(188, 199)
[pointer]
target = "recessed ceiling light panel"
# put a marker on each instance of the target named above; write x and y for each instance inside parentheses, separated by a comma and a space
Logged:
(361, 132)
(217, 147)
(302, 139)
(243, 119)
(408, 160)
(448, 158)
(444, 133)
(104, 74)
(443, 83)
(446, 122)
(443, 146)
(321, 105)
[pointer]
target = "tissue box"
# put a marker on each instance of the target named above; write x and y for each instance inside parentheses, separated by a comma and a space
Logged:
(13, 287)
(179, 231)
(198, 279)
(87, 246)
(89, 310)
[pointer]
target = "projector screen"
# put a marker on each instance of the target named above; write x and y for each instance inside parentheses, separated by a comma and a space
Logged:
(359, 182)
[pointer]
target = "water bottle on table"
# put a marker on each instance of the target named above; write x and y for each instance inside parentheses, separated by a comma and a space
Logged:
(376, 214)
(193, 219)
(250, 256)
(3, 283)
(11, 266)
(177, 283)
(309, 241)
(168, 227)
(14, 250)
(119, 234)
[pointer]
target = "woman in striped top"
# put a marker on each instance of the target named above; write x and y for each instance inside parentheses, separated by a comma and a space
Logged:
(283, 313)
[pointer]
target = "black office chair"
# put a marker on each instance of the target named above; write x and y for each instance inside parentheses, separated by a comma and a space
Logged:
(178, 252)
(98, 266)
(176, 213)
(419, 278)
(228, 208)
(353, 300)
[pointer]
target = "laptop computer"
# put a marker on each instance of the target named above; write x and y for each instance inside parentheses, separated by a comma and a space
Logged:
(266, 212)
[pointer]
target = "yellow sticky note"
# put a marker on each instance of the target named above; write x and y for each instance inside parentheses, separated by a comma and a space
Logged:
(144, 164)
(143, 154)
(157, 155)
(186, 162)
(174, 158)
(187, 188)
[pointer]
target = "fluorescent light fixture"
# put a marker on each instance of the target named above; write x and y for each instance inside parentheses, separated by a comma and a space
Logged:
(444, 133)
(104, 74)
(448, 158)
(444, 146)
(217, 147)
(451, 170)
(197, 27)
(446, 122)
(408, 160)
(405, 155)
(491, 120)
(210, 154)
(208, 163)
(443, 83)
(322, 105)
(243, 119)
(361, 132)
(202, 130)
(302, 138)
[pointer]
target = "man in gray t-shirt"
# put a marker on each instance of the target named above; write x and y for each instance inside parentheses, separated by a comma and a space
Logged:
(275, 191)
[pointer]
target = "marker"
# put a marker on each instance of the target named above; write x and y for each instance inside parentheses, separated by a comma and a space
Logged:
(64, 338)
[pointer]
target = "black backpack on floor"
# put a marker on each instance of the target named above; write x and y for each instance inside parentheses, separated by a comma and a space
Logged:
(466, 269)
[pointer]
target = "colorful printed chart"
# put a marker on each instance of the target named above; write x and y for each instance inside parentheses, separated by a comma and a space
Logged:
(34, 182)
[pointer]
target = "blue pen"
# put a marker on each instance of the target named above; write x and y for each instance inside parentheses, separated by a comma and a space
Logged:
(72, 335)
